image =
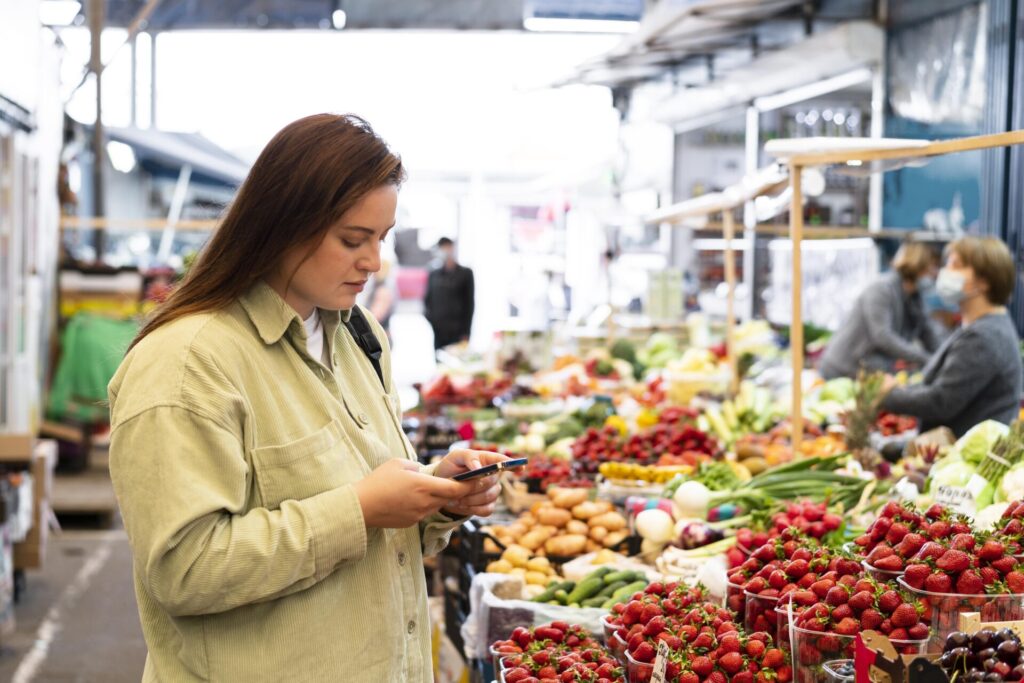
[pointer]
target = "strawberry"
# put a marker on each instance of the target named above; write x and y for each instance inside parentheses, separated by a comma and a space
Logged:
(521, 636)
(889, 601)
(645, 652)
(1015, 581)
(896, 533)
(905, 616)
(776, 580)
(954, 561)
(837, 595)
(784, 674)
(548, 633)
(729, 643)
(649, 612)
(879, 552)
(821, 587)
(654, 626)
(910, 544)
(916, 574)
(731, 662)
(988, 575)
(755, 649)
(516, 675)
(962, 541)
(936, 511)
(797, 568)
(848, 567)
(847, 627)
(939, 529)
(919, 631)
(704, 641)
(829, 644)
(804, 598)
(702, 666)
(891, 509)
(990, 550)
(886, 626)
(773, 658)
(938, 583)
(841, 612)
(807, 580)
(689, 677)
(1005, 565)
(892, 563)
(871, 619)
(743, 677)
(861, 601)
(898, 634)
(960, 526)
(970, 583)
(547, 672)
(717, 677)
(865, 585)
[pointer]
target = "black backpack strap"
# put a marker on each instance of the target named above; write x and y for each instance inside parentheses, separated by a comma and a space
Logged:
(366, 340)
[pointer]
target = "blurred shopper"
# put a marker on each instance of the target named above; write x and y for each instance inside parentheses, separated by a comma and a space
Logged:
(976, 374)
(449, 301)
(888, 325)
(276, 511)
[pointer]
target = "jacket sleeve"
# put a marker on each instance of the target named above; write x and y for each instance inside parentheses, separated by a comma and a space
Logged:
(878, 320)
(182, 482)
(964, 374)
(428, 307)
(470, 304)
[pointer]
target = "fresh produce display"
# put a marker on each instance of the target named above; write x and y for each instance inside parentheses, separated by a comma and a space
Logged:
(601, 588)
(475, 390)
(968, 459)
(559, 652)
(890, 424)
(985, 656)
(565, 525)
(752, 412)
(654, 474)
(965, 564)
(808, 517)
(537, 572)
(608, 445)
(542, 472)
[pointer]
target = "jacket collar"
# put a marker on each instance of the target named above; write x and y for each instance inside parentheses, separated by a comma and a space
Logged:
(272, 317)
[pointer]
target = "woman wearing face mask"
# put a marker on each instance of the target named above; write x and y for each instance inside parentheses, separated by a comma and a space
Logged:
(276, 511)
(976, 374)
(887, 320)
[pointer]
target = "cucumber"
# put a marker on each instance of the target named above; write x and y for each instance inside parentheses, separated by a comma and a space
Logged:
(599, 573)
(561, 596)
(628, 590)
(610, 589)
(593, 602)
(627, 575)
(548, 594)
(587, 588)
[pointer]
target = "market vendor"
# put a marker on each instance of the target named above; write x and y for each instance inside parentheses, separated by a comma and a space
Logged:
(276, 511)
(976, 374)
(888, 324)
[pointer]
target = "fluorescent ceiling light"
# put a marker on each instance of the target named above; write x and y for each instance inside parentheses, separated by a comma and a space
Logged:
(58, 12)
(339, 18)
(579, 25)
(122, 157)
(812, 90)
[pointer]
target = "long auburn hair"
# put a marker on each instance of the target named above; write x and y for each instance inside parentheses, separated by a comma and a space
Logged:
(312, 172)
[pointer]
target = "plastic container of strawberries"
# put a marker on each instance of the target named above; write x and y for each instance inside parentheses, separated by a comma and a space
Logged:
(881, 575)
(782, 622)
(812, 651)
(617, 646)
(759, 613)
(942, 610)
(638, 672)
(608, 627)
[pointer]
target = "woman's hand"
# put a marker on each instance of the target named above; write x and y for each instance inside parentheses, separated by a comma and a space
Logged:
(397, 495)
(481, 501)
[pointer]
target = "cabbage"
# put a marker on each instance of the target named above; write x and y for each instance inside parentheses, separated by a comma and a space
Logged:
(979, 440)
(952, 473)
(1012, 485)
(989, 517)
(840, 390)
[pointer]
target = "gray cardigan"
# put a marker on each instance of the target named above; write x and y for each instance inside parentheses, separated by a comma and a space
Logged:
(881, 329)
(974, 376)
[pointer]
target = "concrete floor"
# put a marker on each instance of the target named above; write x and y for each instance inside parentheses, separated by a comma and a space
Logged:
(77, 620)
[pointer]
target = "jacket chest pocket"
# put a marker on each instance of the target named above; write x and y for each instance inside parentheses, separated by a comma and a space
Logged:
(318, 462)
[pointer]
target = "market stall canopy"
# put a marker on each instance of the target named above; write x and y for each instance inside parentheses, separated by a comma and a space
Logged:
(165, 153)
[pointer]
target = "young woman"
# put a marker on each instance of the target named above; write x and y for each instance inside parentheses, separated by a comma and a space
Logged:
(976, 374)
(275, 509)
(887, 320)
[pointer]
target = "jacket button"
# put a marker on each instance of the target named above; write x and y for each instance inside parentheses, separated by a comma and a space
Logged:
(362, 418)
(401, 559)
(411, 627)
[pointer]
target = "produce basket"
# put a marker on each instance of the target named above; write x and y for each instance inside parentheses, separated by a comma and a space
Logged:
(881, 575)
(638, 672)
(736, 599)
(814, 653)
(759, 613)
(943, 610)
(782, 626)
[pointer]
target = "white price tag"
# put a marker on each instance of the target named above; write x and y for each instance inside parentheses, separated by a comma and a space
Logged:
(660, 663)
(957, 498)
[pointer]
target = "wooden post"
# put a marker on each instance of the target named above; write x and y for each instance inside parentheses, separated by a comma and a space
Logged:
(729, 228)
(796, 329)
(99, 153)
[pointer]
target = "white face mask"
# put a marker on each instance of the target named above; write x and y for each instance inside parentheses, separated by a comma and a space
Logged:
(925, 282)
(950, 286)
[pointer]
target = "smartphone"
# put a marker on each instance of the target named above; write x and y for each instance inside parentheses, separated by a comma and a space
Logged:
(487, 470)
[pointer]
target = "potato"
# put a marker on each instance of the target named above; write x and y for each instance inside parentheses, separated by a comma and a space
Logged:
(614, 538)
(548, 531)
(536, 578)
(500, 567)
(517, 555)
(517, 529)
(568, 498)
(518, 571)
(592, 546)
(556, 517)
(587, 510)
(612, 521)
(490, 546)
(576, 526)
(533, 540)
(598, 533)
(527, 520)
(538, 506)
(539, 564)
(566, 546)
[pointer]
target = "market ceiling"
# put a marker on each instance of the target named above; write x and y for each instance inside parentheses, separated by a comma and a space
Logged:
(362, 14)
